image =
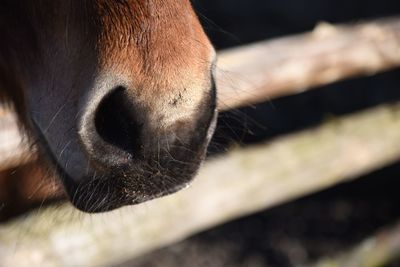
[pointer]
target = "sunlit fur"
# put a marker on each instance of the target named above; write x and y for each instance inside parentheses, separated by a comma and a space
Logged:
(59, 60)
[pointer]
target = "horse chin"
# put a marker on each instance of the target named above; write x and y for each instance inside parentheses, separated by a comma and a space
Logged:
(138, 181)
(101, 189)
(114, 190)
(102, 200)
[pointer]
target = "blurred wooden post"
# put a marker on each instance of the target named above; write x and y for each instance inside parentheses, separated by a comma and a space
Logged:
(13, 150)
(378, 250)
(258, 72)
(239, 183)
(244, 180)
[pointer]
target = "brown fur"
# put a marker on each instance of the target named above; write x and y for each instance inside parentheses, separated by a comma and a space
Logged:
(157, 47)
(139, 29)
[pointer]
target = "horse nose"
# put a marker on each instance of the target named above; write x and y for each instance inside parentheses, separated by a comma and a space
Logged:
(119, 130)
(112, 133)
(116, 122)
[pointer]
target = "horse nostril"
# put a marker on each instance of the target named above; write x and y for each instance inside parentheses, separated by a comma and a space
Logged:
(115, 121)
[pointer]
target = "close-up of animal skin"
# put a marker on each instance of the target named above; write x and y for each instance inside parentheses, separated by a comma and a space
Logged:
(118, 96)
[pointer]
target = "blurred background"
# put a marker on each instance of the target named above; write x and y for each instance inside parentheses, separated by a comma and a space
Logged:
(320, 225)
(299, 232)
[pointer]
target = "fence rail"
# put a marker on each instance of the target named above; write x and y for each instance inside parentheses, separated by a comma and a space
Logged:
(244, 180)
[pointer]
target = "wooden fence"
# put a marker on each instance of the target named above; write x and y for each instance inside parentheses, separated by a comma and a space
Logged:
(245, 180)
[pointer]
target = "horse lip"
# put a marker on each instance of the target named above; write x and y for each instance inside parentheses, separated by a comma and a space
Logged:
(102, 201)
(125, 198)
(114, 199)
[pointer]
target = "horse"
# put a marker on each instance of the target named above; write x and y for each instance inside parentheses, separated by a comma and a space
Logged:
(118, 95)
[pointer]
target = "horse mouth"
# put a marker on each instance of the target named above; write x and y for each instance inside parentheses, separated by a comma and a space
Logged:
(103, 185)
(135, 183)
(108, 194)
(154, 177)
